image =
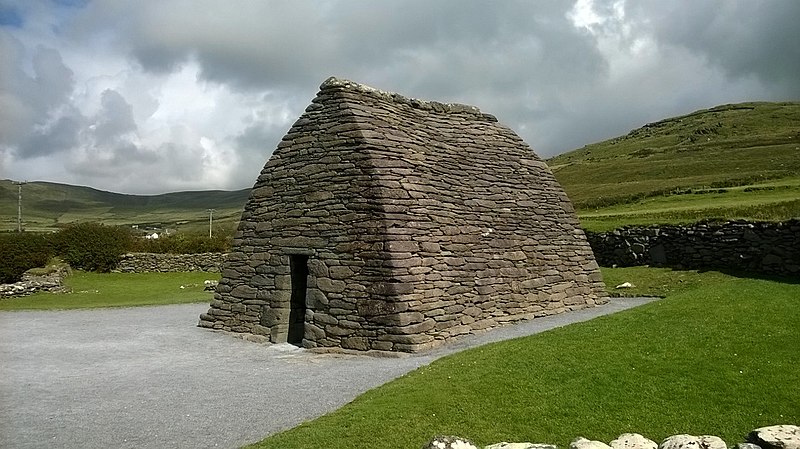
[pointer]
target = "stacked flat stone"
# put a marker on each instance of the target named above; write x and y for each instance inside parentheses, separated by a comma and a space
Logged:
(162, 263)
(756, 247)
(34, 283)
(783, 436)
(421, 222)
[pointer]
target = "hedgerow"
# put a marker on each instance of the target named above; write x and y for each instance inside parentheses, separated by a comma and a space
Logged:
(22, 251)
(92, 246)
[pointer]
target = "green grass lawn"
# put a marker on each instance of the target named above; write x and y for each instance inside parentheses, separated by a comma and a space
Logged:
(661, 282)
(718, 356)
(49, 206)
(728, 145)
(119, 290)
(749, 150)
(775, 201)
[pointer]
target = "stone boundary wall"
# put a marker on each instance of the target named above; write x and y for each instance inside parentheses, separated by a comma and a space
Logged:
(154, 262)
(30, 284)
(784, 436)
(755, 247)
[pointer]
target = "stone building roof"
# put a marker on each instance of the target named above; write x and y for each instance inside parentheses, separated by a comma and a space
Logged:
(418, 221)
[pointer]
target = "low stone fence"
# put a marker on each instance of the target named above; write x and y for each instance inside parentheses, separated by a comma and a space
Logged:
(771, 437)
(130, 263)
(153, 262)
(756, 247)
(32, 283)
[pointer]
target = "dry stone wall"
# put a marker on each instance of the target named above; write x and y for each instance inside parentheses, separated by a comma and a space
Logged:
(34, 283)
(784, 436)
(760, 247)
(416, 221)
(155, 262)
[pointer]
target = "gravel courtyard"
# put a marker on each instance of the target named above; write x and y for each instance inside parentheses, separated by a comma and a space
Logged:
(147, 377)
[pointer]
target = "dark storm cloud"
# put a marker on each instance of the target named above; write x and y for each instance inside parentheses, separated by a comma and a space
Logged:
(51, 83)
(197, 93)
(59, 136)
(247, 44)
(16, 112)
(508, 57)
(53, 79)
(127, 167)
(254, 145)
(511, 40)
(115, 119)
(35, 115)
(744, 37)
(259, 138)
(421, 45)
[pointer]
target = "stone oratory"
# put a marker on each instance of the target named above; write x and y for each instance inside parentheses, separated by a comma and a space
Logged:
(385, 223)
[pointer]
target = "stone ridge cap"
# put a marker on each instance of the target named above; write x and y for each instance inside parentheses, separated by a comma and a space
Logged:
(341, 83)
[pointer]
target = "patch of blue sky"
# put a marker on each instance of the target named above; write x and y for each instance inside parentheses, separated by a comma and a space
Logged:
(10, 16)
(71, 3)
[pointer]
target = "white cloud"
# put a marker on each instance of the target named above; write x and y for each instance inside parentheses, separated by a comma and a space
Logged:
(146, 97)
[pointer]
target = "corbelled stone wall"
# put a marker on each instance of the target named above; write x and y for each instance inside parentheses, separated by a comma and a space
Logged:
(760, 247)
(155, 262)
(417, 222)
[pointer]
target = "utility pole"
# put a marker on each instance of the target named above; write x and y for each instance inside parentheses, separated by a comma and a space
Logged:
(210, 220)
(19, 185)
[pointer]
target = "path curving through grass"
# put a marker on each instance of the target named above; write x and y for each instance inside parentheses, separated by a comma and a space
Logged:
(714, 359)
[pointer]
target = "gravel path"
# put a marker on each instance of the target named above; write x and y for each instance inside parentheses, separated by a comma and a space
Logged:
(147, 377)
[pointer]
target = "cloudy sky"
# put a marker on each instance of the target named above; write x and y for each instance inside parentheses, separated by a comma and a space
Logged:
(167, 95)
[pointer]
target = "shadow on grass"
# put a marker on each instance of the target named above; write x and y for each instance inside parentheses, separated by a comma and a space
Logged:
(669, 281)
(785, 279)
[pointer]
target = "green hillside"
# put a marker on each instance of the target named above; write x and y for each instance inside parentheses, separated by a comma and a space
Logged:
(48, 206)
(731, 161)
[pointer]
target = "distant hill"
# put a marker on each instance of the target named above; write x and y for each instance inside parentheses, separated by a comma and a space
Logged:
(48, 205)
(743, 158)
(730, 161)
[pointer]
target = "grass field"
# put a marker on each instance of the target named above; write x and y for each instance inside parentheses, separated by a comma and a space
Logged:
(773, 201)
(48, 206)
(119, 290)
(714, 357)
(660, 282)
(739, 161)
(717, 356)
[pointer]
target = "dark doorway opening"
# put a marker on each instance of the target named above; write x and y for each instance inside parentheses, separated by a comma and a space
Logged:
(298, 266)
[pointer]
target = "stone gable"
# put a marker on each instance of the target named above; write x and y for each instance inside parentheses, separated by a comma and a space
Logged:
(393, 224)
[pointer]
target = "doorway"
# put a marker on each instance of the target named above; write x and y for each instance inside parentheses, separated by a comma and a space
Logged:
(298, 268)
